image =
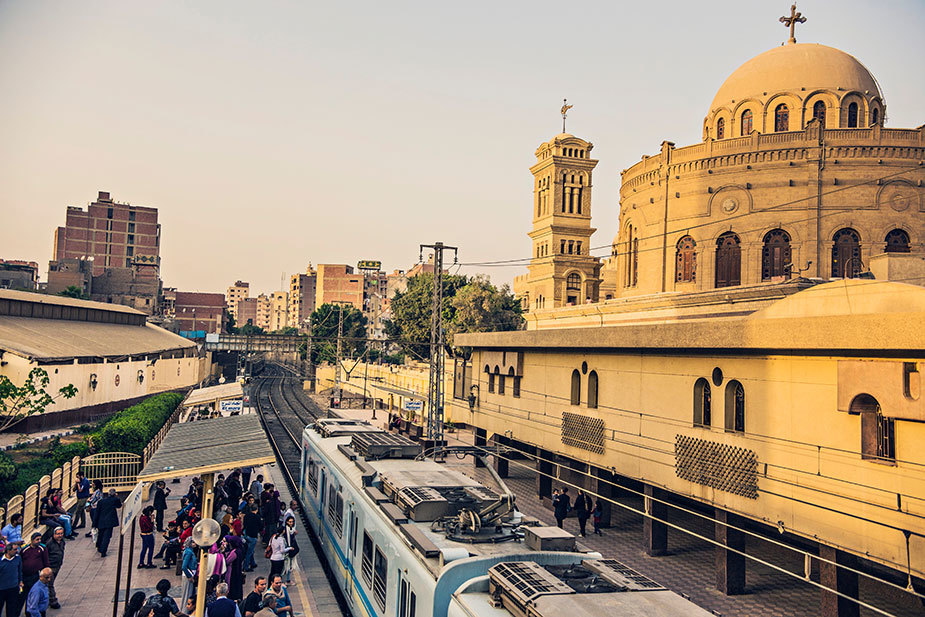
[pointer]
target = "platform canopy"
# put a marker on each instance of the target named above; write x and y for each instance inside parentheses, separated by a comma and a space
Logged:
(207, 446)
(212, 394)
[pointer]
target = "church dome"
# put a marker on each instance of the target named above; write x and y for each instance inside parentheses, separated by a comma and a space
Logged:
(795, 68)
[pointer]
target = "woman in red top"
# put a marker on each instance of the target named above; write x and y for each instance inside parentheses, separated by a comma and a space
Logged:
(146, 525)
(187, 532)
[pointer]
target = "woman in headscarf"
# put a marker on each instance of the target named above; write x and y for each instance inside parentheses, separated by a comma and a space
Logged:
(234, 560)
(189, 567)
(215, 565)
(289, 533)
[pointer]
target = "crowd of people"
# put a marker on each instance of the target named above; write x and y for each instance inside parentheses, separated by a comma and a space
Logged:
(250, 513)
(583, 508)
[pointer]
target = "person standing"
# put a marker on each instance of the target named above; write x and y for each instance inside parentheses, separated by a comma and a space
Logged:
(55, 549)
(10, 580)
(252, 524)
(582, 510)
(278, 551)
(34, 560)
(256, 487)
(596, 515)
(160, 604)
(269, 606)
(82, 490)
(146, 528)
(107, 519)
(189, 567)
(37, 600)
(289, 533)
(234, 491)
(95, 498)
(246, 477)
(12, 532)
(283, 603)
(160, 503)
(252, 602)
(222, 606)
(561, 504)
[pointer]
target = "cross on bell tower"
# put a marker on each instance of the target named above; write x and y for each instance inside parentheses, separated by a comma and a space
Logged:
(795, 18)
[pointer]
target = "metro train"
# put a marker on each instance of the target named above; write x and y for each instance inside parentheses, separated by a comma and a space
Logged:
(411, 537)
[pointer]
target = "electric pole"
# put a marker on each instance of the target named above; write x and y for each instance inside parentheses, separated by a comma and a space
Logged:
(340, 334)
(435, 393)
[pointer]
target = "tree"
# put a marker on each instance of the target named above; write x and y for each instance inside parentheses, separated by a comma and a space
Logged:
(287, 331)
(324, 333)
(18, 402)
(249, 328)
(74, 291)
(469, 305)
(229, 325)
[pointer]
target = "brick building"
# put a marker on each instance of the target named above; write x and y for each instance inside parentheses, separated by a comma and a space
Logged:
(200, 312)
(302, 295)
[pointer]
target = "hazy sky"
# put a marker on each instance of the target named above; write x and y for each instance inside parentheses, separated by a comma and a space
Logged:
(270, 134)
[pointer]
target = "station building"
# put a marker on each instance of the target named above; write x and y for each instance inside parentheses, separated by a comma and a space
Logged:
(107, 351)
(725, 356)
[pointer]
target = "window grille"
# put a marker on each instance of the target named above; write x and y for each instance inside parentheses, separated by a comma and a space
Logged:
(897, 241)
(583, 432)
(702, 403)
(819, 112)
(746, 122)
(686, 268)
(379, 579)
(781, 119)
(735, 407)
(313, 476)
(720, 466)
(775, 255)
(846, 253)
(366, 566)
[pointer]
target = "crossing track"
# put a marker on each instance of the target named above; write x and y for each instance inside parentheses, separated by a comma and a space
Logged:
(284, 413)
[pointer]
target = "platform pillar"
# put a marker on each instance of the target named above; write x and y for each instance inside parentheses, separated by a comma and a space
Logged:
(730, 566)
(843, 581)
(480, 442)
(545, 472)
(654, 532)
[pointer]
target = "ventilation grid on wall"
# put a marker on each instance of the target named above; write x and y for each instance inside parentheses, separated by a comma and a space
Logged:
(583, 432)
(717, 465)
(524, 581)
(621, 575)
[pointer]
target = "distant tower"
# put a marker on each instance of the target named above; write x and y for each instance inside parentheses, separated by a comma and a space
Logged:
(562, 270)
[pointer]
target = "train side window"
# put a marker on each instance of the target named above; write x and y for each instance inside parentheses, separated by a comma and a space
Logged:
(366, 567)
(407, 601)
(336, 509)
(380, 572)
(412, 604)
(313, 476)
(353, 532)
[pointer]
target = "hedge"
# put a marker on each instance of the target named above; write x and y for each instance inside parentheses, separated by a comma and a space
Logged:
(130, 430)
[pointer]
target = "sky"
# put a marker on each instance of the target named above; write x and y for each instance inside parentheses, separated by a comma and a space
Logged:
(273, 134)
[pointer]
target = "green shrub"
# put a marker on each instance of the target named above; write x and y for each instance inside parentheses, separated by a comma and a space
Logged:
(7, 468)
(131, 429)
(64, 454)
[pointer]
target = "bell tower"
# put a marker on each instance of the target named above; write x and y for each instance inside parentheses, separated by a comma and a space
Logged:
(562, 271)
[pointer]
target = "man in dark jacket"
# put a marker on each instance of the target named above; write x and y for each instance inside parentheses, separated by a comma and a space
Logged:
(107, 518)
(234, 490)
(561, 504)
(10, 578)
(34, 560)
(160, 503)
(583, 507)
(55, 549)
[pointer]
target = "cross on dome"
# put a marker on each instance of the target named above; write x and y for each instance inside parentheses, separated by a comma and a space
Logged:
(795, 18)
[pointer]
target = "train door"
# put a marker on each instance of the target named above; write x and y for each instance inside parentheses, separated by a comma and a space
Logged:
(350, 552)
(322, 485)
(407, 599)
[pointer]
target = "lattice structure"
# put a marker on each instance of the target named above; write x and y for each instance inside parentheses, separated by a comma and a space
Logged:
(717, 465)
(583, 432)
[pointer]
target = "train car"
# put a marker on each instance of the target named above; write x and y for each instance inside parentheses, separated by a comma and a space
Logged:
(411, 537)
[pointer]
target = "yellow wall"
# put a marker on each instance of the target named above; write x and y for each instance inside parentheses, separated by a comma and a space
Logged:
(810, 473)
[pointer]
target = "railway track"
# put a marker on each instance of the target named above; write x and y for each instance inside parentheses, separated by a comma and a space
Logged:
(284, 422)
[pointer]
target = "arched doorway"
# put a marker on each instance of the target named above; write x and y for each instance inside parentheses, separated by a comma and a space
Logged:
(728, 260)
(846, 253)
(775, 255)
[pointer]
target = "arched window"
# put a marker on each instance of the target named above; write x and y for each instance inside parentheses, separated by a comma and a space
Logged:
(853, 115)
(720, 128)
(781, 118)
(573, 282)
(702, 410)
(576, 388)
(728, 260)
(735, 407)
(686, 260)
(592, 390)
(500, 377)
(632, 257)
(897, 241)
(819, 112)
(846, 253)
(491, 379)
(775, 256)
(515, 382)
(878, 434)
(875, 116)
(746, 122)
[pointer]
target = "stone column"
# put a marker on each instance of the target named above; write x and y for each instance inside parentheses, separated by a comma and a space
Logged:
(545, 472)
(839, 579)
(500, 462)
(480, 442)
(654, 532)
(730, 566)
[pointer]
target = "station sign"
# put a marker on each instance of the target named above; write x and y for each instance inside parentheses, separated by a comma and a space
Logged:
(131, 507)
(236, 405)
(413, 405)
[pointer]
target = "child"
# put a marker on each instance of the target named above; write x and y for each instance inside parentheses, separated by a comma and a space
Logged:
(596, 514)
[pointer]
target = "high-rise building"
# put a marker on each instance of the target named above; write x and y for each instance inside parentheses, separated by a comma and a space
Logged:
(302, 288)
(263, 312)
(279, 311)
(238, 291)
(338, 283)
(121, 243)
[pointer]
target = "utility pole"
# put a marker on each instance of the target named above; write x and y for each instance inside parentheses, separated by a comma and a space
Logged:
(340, 333)
(434, 432)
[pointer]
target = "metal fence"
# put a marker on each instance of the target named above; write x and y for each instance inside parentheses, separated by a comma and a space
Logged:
(118, 470)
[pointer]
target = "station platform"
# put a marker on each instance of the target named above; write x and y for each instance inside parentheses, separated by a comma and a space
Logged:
(86, 582)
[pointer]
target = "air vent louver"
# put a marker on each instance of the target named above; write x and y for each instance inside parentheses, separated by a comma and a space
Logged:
(621, 575)
(381, 444)
(522, 582)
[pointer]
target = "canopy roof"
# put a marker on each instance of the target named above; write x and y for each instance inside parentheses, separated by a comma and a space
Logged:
(204, 396)
(207, 446)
